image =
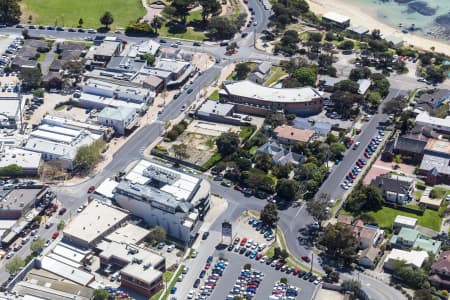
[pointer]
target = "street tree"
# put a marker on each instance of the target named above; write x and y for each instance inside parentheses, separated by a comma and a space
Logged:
(12, 170)
(337, 150)
(149, 59)
(242, 71)
(395, 105)
(269, 214)
(156, 23)
(61, 225)
(340, 243)
(318, 210)
(100, 294)
(107, 19)
(424, 294)
(15, 265)
(365, 198)
(88, 156)
(287, 189)
(80, 22)
(37, 245)
(221, 27)
(157, 234)
(280, 254)
(227, 143)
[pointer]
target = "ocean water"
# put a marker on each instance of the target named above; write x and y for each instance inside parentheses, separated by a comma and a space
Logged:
(427, 17)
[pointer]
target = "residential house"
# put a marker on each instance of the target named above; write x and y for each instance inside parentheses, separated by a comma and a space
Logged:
(394, 188)
(411, 146)
(434, 98)
(367, 235)
(332, 19)
(70, 46)
(407, 222)
(52, 80)
(364, 85)
(367, 257)
(327, 83)
(290, 135)
(413, 258)
(439, 124)
(280, 156)
(435, 164)
(409, 238)
(39, 45)
(260, 72)
(320, 128)
(122, 119)
(440, 271)
(345, 219)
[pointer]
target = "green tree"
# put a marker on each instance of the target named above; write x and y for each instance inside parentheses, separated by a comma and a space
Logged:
(347, 86)
(107, 19)
(80, 22)
(340, 243)
(31, 77)
(395, 106)
(374, 98)
(10, 12)
(149, 59)
(157, 234)
(263, 161)
(337, 150)
(287, 189)
(424, 294)
(282, 171)
(280, 254)
(100, 294)
(14, 265)
(275, 118)
(242, 71)
(209, 7)
(380, 84)
(360, 73)
(222, 27)
(39, 93)
(37, 245)
(306, 76)
(11, 170)
(365, 198)
(346, 45)
(227, 143)
(415, 278)
(61, 225)
(180, 151)
(269, 214)
(88, 156)
(318, 210)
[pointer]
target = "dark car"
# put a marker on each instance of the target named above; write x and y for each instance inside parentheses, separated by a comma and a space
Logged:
(197, 44)
(196, 283)
(244, 34)
(230, 247)
(205, 235)
(307, 276)
(162, 41)
(242, 250)
(81, 30)
(248, 252)
(202, 274)
(190, 91)
(269, 261)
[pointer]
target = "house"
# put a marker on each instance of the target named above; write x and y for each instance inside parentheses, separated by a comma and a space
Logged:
(435, 166)
(366, 235)
(409, 238)
(394, 188)
(412, 258)
(407, 222)
(39, 45)
(122, 119)
(332, 19)
(438, 124)
(367, 257)
(280, 156)
(364, 85)
(411, 145)
(359, 30)
(260, 72)
(52, 80)
(440, 271)
(70, 46)
(290, 135)
(396, 41)
(327, 83)
(434, 98)
(345, 219)
(320, 128)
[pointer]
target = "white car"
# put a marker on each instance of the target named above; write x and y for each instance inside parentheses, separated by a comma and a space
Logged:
(344, 186)
(191, 294)
(170, 248)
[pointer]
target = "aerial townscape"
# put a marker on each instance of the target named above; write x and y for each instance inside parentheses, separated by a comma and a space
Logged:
(224, 149)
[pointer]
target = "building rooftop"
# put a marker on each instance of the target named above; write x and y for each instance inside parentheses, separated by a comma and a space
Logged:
(424, 118)
(292, 133)
(408, 234)
(442, 263)
(215, 108)
(96, 219)
(394, 39)
(395, 184)
(170, 65)
(358, 29)
(336, 17)
(107, 101)
(438, 146)
(408, 221)
(106, 188)
(107, 48)
(364, 85)
(249, 89)
(440, 164)
(21, 157)
(9, 106)
(415, 258)
(128, 234)
(69, 123)
(68, 272)
(17, 199)
(427, 244)
(139, 262)
(117, 113)
(153, 81)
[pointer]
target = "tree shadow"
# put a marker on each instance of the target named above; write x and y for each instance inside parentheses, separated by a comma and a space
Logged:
(103, 29)
(198, 25)
(175, 27)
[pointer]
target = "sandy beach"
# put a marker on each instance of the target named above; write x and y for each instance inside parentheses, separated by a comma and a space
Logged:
(359, 17)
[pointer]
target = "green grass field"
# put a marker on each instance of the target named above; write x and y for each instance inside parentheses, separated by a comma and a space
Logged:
(67, 13)
(385, 217)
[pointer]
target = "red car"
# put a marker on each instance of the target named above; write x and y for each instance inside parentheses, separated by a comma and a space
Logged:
(366, 155)
(258, 256)
(243, 242)
(295, 272)
(91, 189)
(306, 258)
(55, 234)
(207, 265)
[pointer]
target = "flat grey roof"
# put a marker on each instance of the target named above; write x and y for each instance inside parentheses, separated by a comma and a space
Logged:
(17, 199)
(216, 108)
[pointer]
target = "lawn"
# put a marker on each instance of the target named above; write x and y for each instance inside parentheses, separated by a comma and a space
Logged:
(190, 34)
(214, 96)
(67, 13)
(42, 57)
(246, 132)
(385, 218)
(275, 74)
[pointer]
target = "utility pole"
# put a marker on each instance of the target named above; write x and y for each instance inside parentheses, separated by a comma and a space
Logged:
(312, 261)
(254, 38)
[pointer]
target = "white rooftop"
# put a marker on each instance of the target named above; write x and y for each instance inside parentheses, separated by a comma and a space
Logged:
(69, 123)
(405, 220)
(415, 258)
(94, 221)
(21, 157)
(106, 188)
(336, 17)
(249, 89)
(69, 253)
(128, 234)
(70, 273)
(117, 113)
(424, 118)
(106, 101)
(9, 107)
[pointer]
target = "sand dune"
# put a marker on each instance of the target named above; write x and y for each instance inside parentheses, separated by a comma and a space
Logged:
(359, 17)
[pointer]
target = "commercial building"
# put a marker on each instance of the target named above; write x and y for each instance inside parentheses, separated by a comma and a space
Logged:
(256, 99)
(128, 234)
(439, 124)
(100, 55)
(18, 202)
(435, 165)
(413, 258)
(165, 197)
(59, 144)
(122, 119)
(11, 110)
(29, 161)
(121, 92)
(77, 125)
(140, 269)
(95, 222)
(360, 30)
(332, 19)
(218, 112)
(396, 41)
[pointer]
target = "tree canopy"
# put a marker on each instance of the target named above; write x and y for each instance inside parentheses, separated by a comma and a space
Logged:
(107, 19)
(287, 189)
(88, 156)
(340, 243)
(157, 234)
(227, 143)
(10, 12)
(242, 71)
(269, 214)
(365, 198)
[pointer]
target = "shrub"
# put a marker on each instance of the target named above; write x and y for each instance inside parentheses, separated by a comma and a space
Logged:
(139, 29)
(421, 185)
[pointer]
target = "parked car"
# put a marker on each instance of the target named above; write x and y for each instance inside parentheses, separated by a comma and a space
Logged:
(91, 189)
(205, 235)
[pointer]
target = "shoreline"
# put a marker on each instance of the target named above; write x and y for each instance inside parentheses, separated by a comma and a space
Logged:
(359, 17)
